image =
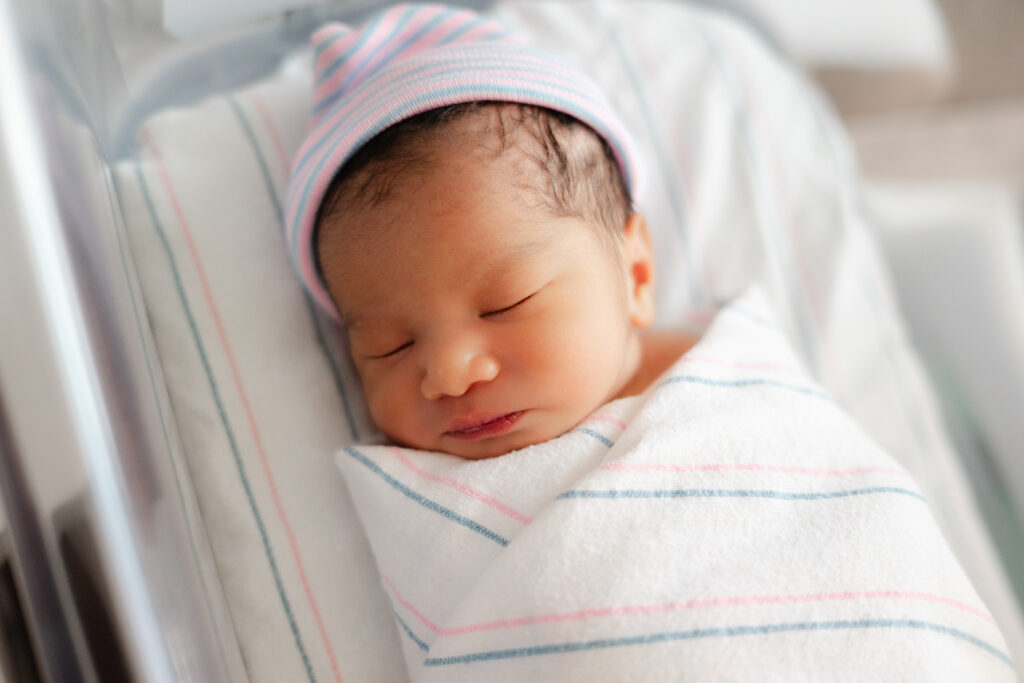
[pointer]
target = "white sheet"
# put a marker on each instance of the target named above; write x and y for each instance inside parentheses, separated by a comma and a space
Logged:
(751, 181)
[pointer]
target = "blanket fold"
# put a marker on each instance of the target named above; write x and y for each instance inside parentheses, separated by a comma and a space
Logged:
(732, 523)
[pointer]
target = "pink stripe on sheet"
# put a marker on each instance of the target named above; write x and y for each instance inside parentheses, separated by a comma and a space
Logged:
(275, 136)
(459, 486)
(243, 397)
(786, 213)
(697, 603)
(409, 606)
(788, 217)
(748, 467)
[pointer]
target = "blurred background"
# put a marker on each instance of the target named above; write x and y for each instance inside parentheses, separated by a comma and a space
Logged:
(951, 107)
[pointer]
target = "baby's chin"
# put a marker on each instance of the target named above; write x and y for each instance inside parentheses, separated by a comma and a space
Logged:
(492, 447)
(486, 449)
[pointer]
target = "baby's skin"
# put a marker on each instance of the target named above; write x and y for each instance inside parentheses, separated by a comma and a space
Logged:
(479, 320)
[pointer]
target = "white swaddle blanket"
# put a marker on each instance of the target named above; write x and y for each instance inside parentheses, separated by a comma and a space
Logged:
(732, 523)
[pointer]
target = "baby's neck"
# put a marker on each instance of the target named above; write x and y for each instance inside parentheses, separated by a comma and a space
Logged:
(658, 351)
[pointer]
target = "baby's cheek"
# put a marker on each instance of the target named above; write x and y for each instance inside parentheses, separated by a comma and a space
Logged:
(576, 365)
(389, 407)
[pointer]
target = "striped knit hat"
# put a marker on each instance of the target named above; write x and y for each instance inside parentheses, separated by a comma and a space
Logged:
(404, 61)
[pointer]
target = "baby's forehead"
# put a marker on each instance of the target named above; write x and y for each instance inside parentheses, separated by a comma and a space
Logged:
(380, 201)
(487, 185)
(398, 290)
(468, 273)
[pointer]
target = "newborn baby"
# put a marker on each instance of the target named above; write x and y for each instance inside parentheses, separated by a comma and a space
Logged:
(491, 278)
(483, 255)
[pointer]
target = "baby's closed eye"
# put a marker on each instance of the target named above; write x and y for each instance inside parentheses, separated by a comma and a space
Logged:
(378, 344)
(395, 350)
(374, 342)
(501, 312)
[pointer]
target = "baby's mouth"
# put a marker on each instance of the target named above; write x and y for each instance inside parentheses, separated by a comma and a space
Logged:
(483, 426)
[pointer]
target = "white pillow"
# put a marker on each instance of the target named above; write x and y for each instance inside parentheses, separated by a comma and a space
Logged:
(751, 180)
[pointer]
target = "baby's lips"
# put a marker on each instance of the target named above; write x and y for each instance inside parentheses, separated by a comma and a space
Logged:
(483, 424)
(474, 419)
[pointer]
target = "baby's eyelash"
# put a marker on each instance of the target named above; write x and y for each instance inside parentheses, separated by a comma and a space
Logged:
(491, 314)
(393, 351)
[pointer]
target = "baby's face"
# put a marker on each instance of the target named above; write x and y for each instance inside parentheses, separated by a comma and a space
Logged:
(480, 322)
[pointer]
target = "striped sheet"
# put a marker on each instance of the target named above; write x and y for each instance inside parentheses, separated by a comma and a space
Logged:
(718, 528)
(247, 362)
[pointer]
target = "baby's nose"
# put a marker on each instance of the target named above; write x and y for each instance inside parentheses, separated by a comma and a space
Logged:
(453, 366)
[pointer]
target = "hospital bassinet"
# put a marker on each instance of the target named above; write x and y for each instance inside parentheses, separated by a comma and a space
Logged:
(106, 565)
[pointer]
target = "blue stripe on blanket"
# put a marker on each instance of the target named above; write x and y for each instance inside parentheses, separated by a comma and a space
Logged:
(559, 648)
(408, 631)
(731, 493)
(424, 501)
(600, 437)
(752, 382)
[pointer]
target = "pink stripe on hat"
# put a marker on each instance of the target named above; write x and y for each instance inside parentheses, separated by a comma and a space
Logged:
(409, 59)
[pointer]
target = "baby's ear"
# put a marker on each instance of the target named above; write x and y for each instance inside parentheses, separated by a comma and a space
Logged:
(638, 261)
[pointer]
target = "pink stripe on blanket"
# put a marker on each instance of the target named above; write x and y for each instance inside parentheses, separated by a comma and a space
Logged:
(243, 397)
(697, 603)
(607, 418)
(468, 490)
(408, 605)
(749, 467)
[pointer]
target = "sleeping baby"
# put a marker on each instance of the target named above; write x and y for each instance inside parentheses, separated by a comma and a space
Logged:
(462, 204)
(483, 254)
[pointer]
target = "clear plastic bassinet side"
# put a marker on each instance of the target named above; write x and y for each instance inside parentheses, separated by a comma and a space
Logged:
(106, 570)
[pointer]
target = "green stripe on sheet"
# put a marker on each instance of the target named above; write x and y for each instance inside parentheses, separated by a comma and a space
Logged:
(197, 338)
(310, 307)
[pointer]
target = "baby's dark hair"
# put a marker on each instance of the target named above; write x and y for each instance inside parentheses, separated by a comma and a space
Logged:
(577, 171)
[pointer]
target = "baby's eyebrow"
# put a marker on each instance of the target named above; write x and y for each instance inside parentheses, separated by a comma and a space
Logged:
(350, 320)
(521, 253)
